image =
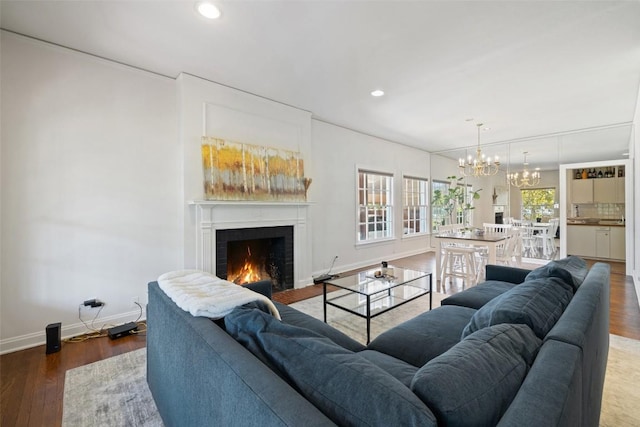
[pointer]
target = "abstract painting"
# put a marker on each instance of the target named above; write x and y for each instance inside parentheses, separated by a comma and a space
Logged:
(240, 171)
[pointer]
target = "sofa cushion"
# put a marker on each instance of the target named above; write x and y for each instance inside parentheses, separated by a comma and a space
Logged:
(479, 295)
(475, 381)
(551, 270)
(426, 336)
(538, 303)
(399, 369)
(295, 317)
(346, 387)
(571, 269)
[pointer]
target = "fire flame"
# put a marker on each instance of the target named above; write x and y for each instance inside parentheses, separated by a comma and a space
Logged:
(249, 273)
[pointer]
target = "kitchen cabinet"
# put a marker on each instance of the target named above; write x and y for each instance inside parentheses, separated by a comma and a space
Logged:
(617, 243)
(581, 240)
(608, 190)
(582, 191)
(604, 190)
(596, 241)
(602, 242)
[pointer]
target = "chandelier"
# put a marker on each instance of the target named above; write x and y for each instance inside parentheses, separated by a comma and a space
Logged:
(480, 165)
(525, 178)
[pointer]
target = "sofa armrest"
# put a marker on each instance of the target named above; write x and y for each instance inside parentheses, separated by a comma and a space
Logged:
(551, 393)
(262, 287)
(506, 274)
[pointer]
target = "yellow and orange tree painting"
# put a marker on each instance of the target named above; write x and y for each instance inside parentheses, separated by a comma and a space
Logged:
(239, 171)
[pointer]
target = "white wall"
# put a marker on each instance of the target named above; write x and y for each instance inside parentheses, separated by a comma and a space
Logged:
(90, 195)
(336, 153)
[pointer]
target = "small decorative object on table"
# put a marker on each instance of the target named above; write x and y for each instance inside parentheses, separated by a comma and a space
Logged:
(385, 272)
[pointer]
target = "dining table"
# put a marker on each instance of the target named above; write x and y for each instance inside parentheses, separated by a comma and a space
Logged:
(491, 241)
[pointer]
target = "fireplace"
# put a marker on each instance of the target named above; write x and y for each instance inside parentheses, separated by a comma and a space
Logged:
(245, 255)
(211, 217)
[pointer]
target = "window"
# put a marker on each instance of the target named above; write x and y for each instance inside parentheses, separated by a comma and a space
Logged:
(415, 205)
(375, 206)
(539, 203)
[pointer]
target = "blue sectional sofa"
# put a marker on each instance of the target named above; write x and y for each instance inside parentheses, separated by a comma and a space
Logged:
(521, 349)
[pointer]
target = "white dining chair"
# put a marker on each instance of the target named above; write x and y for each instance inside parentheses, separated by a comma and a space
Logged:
(546, 238)
(458, 260)
(528, 239)
(506, 253)
(496, 228)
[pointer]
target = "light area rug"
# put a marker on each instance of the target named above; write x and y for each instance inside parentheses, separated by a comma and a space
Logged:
(111, 392)
(114, 391)
(621, 397)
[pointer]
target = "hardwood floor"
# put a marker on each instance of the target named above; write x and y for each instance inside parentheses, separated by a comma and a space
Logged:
(32, 383)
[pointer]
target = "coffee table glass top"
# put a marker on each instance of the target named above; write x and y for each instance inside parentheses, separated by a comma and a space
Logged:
(365, 282)
(368, 296)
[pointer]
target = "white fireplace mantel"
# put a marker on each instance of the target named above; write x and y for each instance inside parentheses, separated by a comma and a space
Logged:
(211, 215)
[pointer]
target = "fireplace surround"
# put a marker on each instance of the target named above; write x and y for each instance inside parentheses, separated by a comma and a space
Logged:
(245, 255)
(216, 220)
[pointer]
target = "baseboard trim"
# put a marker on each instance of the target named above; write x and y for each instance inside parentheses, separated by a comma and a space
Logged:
(35, 339)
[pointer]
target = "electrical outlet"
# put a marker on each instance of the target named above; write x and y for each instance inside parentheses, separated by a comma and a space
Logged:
(93, 303)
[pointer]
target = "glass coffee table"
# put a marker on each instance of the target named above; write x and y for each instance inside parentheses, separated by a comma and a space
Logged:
(368, 296)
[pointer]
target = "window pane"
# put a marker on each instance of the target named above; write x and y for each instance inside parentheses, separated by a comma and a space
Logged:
(414, 202)
(375, 219)
(538, 203)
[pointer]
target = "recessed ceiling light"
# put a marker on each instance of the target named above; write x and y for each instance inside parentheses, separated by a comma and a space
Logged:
(208, 10)
(377, 92)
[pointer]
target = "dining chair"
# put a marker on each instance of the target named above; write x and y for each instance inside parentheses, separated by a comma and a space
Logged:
(506, 253)
(457, 260)
(496, 228)
(529, 241)
(546, 238)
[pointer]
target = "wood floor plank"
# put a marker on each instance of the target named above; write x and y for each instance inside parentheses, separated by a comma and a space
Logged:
(32, 383)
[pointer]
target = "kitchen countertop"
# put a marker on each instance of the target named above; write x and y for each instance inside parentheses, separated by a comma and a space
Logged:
(607, 223)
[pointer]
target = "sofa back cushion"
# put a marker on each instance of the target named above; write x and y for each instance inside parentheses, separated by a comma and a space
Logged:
(538, 303)
(346, 387)
(474, 382)
(571, 270)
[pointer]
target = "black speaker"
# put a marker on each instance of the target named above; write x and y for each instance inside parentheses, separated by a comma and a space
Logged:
(54, 335)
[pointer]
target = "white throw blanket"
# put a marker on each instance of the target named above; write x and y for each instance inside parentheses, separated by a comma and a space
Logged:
(205, 295)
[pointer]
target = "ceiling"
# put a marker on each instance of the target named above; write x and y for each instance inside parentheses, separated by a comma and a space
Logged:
(525, 69)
